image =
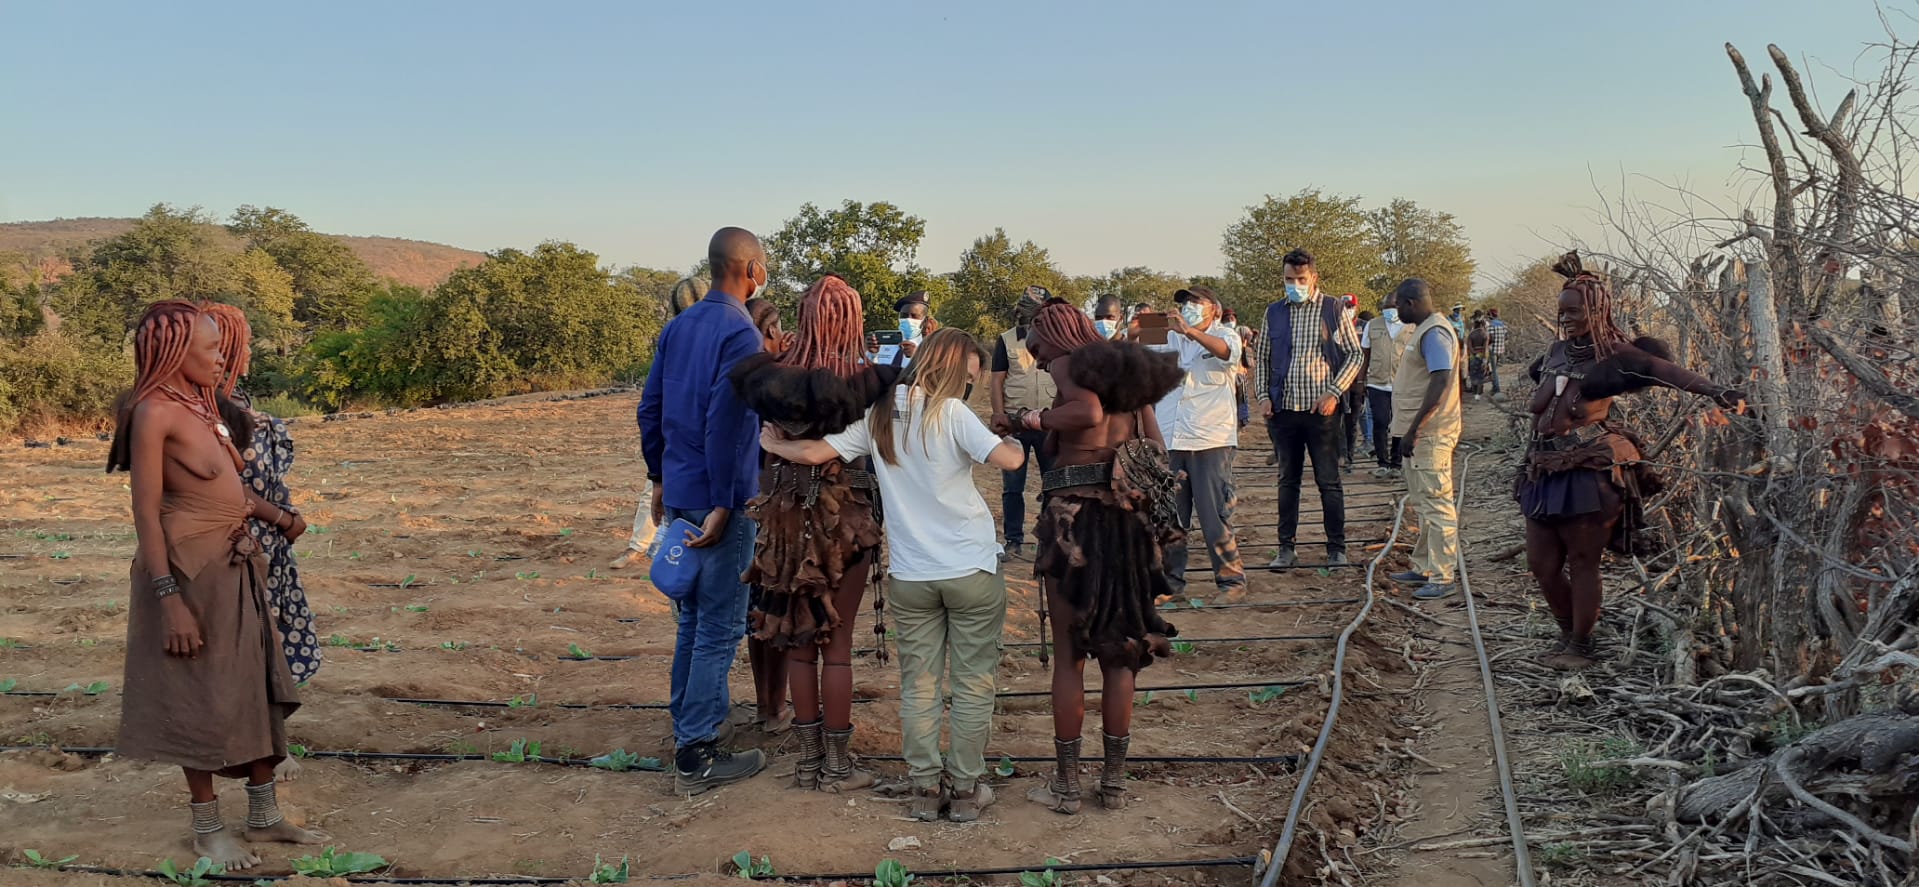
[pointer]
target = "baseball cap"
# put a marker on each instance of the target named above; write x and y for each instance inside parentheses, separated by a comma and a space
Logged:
(1195, 293)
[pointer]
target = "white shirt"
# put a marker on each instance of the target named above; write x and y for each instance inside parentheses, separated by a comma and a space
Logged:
(937, 525)
(1203, 412)
(1366, 342)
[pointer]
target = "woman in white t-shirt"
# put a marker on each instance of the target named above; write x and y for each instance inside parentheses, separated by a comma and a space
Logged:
(948, 597)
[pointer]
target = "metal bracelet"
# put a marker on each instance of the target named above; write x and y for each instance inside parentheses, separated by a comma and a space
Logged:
(164, 586)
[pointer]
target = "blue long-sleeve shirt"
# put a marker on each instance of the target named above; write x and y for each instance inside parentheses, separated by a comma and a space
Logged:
(701, 442)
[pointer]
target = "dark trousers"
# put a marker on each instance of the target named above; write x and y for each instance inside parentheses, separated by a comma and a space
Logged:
(1385, 445)
(1206, 489)
(1297, 435)
(1013, 500)
(1349, 420)
(1492, 367)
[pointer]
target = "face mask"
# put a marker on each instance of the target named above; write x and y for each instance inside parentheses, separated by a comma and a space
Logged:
(1296, 293)
(760, 288)
(1231, 324)
(910, 327)
(1192, 313)
(1105, 328)
(1391, 315)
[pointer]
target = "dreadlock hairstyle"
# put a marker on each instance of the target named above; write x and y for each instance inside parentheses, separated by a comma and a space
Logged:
(1597, 299)
(822, 383)
(1063, 326)
(160, 344)
(831, 336)
(236, 342)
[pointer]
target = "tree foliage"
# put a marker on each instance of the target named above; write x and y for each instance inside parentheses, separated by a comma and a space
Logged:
(1335, 229)
(992, 274)
(1528, 301)
(873, 246)
(330, 284)
(1424, 243)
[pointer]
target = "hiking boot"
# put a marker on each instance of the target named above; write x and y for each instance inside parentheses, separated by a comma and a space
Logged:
(1286, 558)
(1013, 551)
(1337, 558)
(704, 767)
(1112, 776)
(840, 773)
(1409, 577)
(927, 803)
(1061, 795)
(966, 806)
(812, 755)
(1433, 591)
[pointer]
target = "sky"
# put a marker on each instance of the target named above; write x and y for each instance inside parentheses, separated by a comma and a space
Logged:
(1111, 133)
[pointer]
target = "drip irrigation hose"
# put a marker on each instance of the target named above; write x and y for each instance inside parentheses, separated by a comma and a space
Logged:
(102, 751)
(1311, 769)
(1007, 694)
(1522, 855)
(860, 877)
(1174, 607)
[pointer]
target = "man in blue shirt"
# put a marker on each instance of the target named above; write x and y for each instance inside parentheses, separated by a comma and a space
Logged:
(702, 453)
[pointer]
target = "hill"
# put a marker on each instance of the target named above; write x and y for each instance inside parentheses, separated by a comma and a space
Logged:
(44, 245)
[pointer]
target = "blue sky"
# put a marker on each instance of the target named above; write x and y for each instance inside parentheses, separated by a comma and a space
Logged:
(1114, 133)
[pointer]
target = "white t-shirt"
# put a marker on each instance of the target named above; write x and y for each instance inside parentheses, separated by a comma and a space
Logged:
(937, 525)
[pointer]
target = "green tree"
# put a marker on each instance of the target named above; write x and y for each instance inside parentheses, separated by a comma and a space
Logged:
(992, 274)
(331, 285)
(872, 245)
(1528, 301)
(1136, 284)
(1331, 227)
(1423, 243)
(558, 315)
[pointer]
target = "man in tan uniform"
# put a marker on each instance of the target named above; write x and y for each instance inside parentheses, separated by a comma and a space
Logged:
(1426, 419)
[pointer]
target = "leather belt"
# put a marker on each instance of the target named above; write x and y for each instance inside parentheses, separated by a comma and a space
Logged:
(1076, 476)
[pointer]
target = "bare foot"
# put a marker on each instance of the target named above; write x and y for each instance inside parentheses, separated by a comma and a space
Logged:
(225, 849)
(1570, 661)
(284, 832)
(287, 770)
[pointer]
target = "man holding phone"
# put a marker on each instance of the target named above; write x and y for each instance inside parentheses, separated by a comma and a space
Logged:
(1199, 421)
(1309, 357)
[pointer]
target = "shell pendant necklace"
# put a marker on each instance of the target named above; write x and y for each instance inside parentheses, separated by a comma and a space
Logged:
(200, 411)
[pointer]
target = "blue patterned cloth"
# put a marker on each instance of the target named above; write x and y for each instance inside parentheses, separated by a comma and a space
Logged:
(269, 458)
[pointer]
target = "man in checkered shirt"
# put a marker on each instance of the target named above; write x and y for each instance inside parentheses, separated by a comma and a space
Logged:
(1309, 355)
(1496, 329)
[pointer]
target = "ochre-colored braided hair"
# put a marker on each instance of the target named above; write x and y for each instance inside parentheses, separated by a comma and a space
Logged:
(831, 335)
(160, 343)
(1064, 326)
(1597, 299)
(236, 343)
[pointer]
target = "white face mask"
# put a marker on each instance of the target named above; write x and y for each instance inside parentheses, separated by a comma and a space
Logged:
(760, 288)
(1391, 315)
(910, 327)
(1193, 313)
(1105, 328)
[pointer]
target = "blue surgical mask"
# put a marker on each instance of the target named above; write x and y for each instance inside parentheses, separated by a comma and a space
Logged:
(1193, 313)
(1296, 293)
(910, 327)
(1106, 328)
(1391, 315)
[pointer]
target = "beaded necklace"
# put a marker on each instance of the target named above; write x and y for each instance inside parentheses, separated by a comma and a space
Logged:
(205, 414)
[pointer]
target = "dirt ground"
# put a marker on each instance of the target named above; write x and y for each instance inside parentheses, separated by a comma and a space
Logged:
(466, 550)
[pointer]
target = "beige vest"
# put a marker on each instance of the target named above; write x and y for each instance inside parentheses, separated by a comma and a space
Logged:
(1409, 384)
(1385, 351)
(1027, 385)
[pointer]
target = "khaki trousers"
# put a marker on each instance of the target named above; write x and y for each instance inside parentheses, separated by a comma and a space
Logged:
(949, 632)
(1429, 481)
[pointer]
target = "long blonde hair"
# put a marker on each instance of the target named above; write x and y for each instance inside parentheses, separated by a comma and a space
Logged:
(939, 372)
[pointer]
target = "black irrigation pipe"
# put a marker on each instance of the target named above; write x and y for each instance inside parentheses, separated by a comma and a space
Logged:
(97, 751)
(1197, 641)
(660, 706)
(1259, 605)
(860, 877)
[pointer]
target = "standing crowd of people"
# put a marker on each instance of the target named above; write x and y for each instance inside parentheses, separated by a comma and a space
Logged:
(806, 479)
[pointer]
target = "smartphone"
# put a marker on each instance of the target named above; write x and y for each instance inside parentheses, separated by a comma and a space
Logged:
(887, 337)
(1152, 328)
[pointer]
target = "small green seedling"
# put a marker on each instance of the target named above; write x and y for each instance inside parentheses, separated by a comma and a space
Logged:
(578, 652)
(473, 553)
(520, 752)
(530, 700)
(890, 873)
(10, 644)
(340, 640)
(1147, 699)
(299, 751)
(333, 864)
(193, 877)
(593, 573)
(1048, 878)
(60, 555)
(40, 862)
(1264, 695)
(1322, 572)
(408, 581)
(1005, 767)
(6, 686)
(455, 646)
(1196, 603)
(608, 873)
(620, 760)
(354, 556)
(1184, 647)
(1192, 695)
(525, 576)
(416, 608)
(566, 532)
(749, 868)
(96, 688)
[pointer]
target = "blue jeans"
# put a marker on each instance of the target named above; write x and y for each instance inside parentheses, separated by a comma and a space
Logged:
(1013, 499)
(712, 620)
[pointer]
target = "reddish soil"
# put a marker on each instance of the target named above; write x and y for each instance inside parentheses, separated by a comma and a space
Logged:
(475, 540)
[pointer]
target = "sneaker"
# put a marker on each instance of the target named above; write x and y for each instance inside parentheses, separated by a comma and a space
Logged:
(1409, 577)
(927, 803)
(966, 806)
(1337, 559)
(1433, 591)
(1286, 558)
(704, 767)
(1383, 472)
(1013, 551)
(625, 560)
